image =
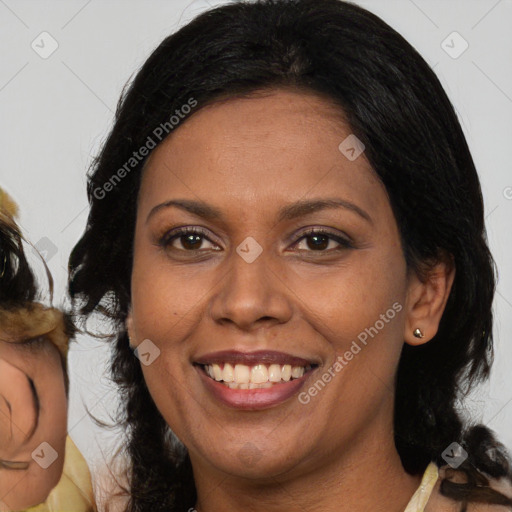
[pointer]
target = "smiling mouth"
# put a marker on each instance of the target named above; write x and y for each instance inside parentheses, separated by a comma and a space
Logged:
(257, 376)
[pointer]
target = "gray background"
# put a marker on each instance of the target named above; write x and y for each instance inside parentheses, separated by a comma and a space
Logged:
(57, 110)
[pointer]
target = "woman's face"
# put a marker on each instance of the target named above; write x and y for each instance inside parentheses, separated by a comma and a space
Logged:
(33, 410)
(248, 294)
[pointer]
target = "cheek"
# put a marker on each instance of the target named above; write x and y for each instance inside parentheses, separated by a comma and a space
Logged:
(54, 405)
(168, 301)
(59, 414)
(166, 298)
(37, 483)
(349, 299)
(167, 382)
(165, 304)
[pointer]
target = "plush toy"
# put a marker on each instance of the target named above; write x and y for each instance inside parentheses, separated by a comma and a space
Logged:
(41, 469)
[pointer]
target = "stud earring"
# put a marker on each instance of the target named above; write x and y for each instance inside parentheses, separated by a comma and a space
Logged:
(417, 333)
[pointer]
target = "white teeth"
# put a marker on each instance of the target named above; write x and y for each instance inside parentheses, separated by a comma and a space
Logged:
(228, 374)
(297, 372)
(259, 374)
(217, 372)
(274, 373)
(286, 372)
(241, 376)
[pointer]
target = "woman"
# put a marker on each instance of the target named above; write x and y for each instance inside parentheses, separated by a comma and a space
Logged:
(287, 230)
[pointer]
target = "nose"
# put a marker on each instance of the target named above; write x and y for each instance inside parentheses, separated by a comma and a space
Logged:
(252, 294)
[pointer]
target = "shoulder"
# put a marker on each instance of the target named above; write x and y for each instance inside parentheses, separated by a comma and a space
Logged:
(441, 503)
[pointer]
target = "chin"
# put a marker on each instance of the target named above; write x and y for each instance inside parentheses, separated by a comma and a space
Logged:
(253, 460)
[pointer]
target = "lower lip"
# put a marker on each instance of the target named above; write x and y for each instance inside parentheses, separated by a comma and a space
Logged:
(253, 399)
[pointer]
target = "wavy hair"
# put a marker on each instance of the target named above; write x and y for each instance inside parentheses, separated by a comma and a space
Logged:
(396, 106)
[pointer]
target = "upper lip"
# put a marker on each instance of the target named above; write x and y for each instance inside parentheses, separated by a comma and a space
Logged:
(252, 358)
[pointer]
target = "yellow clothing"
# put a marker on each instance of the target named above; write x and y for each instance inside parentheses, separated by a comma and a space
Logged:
(73, 493)
(420, 498)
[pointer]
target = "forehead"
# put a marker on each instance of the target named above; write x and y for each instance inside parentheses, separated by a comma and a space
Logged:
(277, 145)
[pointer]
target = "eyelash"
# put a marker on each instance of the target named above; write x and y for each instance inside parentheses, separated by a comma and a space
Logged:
(32, 343)
(169, 237)
(14, 466)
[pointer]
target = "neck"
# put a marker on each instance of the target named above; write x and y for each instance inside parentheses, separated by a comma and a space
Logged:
(368, 476)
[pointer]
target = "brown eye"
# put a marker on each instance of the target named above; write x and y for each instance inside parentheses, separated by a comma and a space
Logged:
(319, 240)
(190, 239)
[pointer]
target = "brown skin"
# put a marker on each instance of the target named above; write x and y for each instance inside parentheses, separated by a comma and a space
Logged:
(249, 158)
(41, 362)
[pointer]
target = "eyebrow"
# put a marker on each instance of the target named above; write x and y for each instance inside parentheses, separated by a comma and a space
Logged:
(288, 212)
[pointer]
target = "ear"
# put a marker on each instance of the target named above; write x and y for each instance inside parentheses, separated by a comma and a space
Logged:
(427, 296)
(129, 329)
